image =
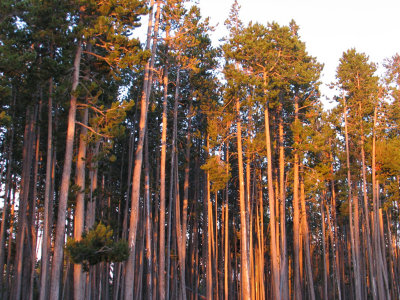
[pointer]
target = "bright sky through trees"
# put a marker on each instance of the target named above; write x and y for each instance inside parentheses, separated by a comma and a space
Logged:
(327, 27)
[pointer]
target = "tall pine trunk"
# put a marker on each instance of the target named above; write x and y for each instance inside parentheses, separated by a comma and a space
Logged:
(137, 170)
(284, 286)
(47, 198)
(354, 252)
(56, 270)
(79, 215)
(27, 155)
(271, 198)
(161, 274)
(306, 238)
(244, 272)
(296, 209)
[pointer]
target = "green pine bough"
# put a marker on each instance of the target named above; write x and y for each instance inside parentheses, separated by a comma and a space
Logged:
(97, 245)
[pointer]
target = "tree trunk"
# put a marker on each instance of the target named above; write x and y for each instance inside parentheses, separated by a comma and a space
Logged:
(335, 241)
(5, 215)
(79, 215)
(149, 279)
(350, 199)
(23, 203)
(305, 232)
(10, 248)
(245, 274)
(161, 269)
(208, 206)
(137, 171)
(296, 210)
(47, 198)
(62, 206)
(226, 231)
(271, 197)
(34, 203)
(366, 214)
(284, 286)
(325, 257)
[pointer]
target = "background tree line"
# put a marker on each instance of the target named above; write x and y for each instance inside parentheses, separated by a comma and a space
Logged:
(169, 168)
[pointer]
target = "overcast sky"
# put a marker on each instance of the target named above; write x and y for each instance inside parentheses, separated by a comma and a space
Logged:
(327, 27)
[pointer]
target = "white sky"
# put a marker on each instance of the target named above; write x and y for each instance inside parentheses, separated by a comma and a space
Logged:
(327, 27)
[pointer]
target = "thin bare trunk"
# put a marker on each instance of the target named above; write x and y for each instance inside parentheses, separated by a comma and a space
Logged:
(245, 272)
(79, 215)
(271, 198)
(161, 274)
(47, 197)
(137, 170)
(296, 212)
(172, 196)
(325, 257)
(226, 233)
(284, 286)
(335, 241)
(34, 203)
(181, 226)
(350, 200)
(62, 206)
(149, 279)
(5, 214)
(306, 238)
(366, 214)
(23, 203)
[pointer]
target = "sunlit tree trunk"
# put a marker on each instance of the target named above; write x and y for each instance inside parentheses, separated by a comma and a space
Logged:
(5, 213)
(350, 200)
(137, 170)
(325, 254)
(226, 230)
(335, 241)
(62, 205)
(47, 198)
(161, 271)
(271, 197)
(208, 224)
(148, 215)
(245, 272)
(306, 238)
(34, 203)
(27, 155)
(372, 265)
(284, 286)
(79, 214)
(296, 210)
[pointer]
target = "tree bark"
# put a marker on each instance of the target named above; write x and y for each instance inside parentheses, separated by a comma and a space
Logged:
(305, 232)
(372, 266)
(23, 203)
(137, 171)
(296, 210)
(79, 215)
(161, 274)
(284, 286)
(271, 197)
(325, 257)
(208, 208)
(62, 206)
(6, 202)
(47, 198)
(245, 274)
(350, 200)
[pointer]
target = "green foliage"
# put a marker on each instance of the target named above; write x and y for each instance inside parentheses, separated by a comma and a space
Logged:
(388, 156)
(97, 245)
(5, 120)
(217, 171)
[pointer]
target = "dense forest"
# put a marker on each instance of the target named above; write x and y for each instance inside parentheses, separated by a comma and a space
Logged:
(172, 168)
